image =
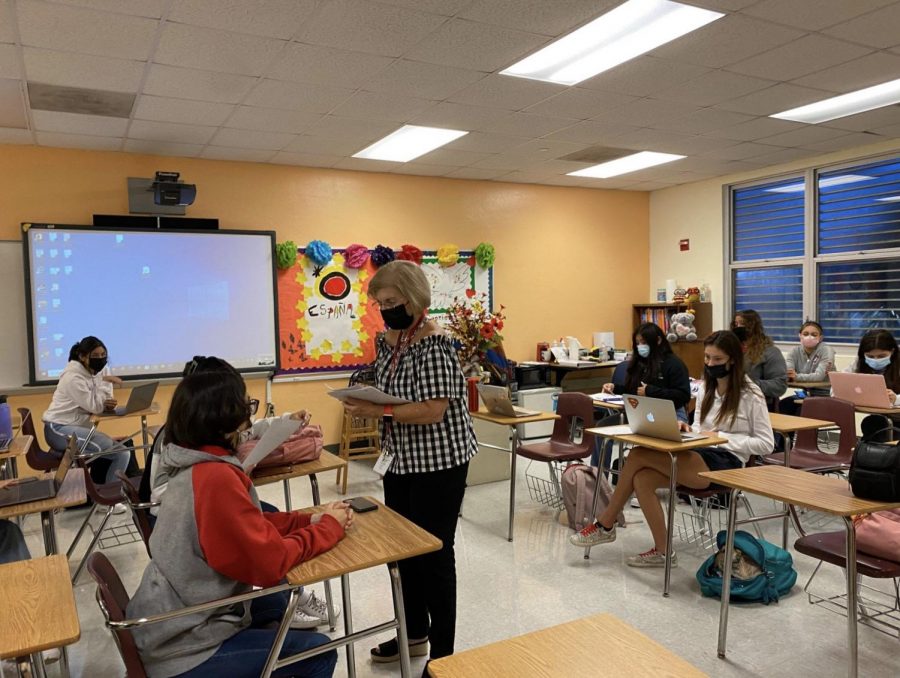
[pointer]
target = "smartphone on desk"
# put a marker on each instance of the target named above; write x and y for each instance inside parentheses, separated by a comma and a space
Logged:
(800, 393)
(361, 504)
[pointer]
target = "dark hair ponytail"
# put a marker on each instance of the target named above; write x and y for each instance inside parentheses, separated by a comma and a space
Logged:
(84, 347)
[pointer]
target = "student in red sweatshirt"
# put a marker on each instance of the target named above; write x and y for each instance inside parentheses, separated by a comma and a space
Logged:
(212, 541)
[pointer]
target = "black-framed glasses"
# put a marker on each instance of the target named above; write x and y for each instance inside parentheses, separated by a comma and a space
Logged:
(253, 405)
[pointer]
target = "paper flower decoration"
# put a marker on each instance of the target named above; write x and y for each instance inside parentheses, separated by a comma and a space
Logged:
(382, 255)
(285, 254)
(318, 252)
(410, 253)
(484, 255)
(356, 256)
(448, 255)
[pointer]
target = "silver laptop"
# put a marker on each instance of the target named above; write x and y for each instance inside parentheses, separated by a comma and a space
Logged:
(655, 418)
(26, 490)
(865, 390)
(140, 398)
(496, 399)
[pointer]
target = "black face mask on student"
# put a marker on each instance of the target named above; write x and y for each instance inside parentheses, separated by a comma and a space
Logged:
(97, 364)
(397, 318)
(717, 371)
(740, 333)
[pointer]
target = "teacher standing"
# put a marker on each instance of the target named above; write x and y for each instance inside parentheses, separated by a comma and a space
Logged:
(430, 440)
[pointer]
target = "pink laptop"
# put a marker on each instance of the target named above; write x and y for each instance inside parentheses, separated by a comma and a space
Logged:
(865, 390)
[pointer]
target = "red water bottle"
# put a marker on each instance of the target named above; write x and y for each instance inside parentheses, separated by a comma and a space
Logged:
(472, 383)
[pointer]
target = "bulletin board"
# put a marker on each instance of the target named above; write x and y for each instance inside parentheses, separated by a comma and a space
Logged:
(328, 323)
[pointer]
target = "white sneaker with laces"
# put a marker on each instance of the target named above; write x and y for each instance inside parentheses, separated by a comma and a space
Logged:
(635, 503)
(313, 613)
(50, 656)
(119, 509)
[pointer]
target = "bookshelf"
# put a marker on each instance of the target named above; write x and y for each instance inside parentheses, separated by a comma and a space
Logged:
(690, 352)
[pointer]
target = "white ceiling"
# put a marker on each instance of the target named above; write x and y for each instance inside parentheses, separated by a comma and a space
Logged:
(310, 82)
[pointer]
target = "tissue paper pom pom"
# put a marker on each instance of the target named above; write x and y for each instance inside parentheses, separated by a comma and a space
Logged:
(448, 255)
(484, 255)
(318, 252)
(356, 256)
(285, 254)
(382, 255)
(410, 253)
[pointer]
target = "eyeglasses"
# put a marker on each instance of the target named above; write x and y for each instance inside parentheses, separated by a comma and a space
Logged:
(253, 405)
(388, 303)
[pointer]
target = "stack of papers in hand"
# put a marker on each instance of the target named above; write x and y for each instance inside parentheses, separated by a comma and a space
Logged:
(367, 393)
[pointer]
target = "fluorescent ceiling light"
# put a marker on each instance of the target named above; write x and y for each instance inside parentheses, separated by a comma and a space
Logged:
(890, 198)
(408, 142)
(630, 163)
(628, 31)
(828, 182)
(885, 94)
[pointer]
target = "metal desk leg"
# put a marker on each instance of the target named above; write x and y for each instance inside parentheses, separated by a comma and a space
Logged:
(726, 575)
(286, 483)
(784, 506)
(37, 662)
(402, 638)
(281, 634)
(852, 641)
(348, 624)
(48, 527)
(314, 486)
(512, 480)
(145, 434)
(670, 522)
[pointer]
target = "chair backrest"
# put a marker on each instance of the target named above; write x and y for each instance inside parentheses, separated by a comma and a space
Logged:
(113, 601)
(571, 406)
(35, 457)
(842, 413)
(111, 493)
(620, 373)
(138, 512)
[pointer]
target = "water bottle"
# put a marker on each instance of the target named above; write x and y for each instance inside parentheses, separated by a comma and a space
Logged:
(6, 432)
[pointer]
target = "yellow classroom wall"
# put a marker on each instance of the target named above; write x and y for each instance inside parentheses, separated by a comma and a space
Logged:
(570, 261)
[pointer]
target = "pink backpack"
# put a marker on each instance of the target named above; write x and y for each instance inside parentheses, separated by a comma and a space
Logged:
(578, 484)
(878, 534)
(304, 445)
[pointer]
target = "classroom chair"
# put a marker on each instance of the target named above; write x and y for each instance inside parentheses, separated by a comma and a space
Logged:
(356, 430)
(35, 457)
(707, 517)
(805, 454)
(139, 509)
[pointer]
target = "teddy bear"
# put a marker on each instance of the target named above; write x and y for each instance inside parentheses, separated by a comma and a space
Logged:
(681, 328)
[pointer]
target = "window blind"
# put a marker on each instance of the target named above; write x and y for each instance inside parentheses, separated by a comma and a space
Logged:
(768, 220)
(858, 296)
(776, 293)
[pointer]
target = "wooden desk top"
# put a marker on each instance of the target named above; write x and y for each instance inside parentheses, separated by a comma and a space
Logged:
(822, 493)
(274, 474)
(153, 409)
(72, 493)
(786, 423)
(657, 443)
(17, 447)
(484, 415)
(809, 384)
(568, 650)
(376, 537)
(893, 411)
(38, 606)
(609, 406)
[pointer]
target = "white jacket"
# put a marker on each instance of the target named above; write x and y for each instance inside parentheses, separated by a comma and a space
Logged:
(78, 395)
(751, 431)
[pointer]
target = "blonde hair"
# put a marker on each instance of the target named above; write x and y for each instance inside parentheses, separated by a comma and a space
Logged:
(409, 280)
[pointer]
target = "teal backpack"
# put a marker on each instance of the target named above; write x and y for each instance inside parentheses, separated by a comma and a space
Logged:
(776, 578)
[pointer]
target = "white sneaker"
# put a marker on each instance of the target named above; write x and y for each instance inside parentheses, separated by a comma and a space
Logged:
(635, 503)
(119, 509)
(51, 656)
(313, 613)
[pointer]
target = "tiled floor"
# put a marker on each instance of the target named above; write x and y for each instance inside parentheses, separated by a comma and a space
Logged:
(540, 580)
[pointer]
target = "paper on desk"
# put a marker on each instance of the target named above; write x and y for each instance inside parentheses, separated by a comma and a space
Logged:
(279, 430)
(620, 430)
(607, 397)
(368, 393)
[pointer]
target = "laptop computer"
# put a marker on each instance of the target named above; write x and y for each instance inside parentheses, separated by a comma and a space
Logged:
(655, 418)
(36, 489)
(866, 390)
(140, 398)
(496, 399)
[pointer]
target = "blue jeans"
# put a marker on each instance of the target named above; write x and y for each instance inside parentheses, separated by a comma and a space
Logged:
(244, 654)
(12, 543)
(57, 436)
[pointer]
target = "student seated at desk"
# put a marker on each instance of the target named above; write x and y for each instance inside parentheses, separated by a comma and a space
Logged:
(731, 406)
(877, 354)
(809, 361)
(764, 362)
(212, 541)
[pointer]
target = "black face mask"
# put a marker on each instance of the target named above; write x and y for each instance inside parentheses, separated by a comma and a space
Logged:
(96, 364)
(740, 333)
(397, 318)
(717, 371)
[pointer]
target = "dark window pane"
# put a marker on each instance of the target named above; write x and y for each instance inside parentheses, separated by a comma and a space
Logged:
(776, 294)
(768, 220)
(859, 296)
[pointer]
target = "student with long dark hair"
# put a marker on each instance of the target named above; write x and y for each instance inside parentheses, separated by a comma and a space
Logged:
(730, 405)
(765, 364)
(878, 354)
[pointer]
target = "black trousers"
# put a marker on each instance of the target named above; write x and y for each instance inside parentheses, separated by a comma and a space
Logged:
(432, 501)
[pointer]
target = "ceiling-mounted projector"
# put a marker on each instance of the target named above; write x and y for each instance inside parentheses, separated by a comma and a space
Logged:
(168, 190)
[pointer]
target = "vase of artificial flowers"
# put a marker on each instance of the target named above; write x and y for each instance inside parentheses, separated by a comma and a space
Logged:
(476, 330)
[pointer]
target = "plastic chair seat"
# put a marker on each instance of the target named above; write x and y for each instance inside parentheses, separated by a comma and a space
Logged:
(554, 450)
(35, 457)
(831, 547)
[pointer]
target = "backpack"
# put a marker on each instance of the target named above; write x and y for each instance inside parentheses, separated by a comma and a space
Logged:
(768, 575)
(578, 484)
(878, 534)
(304, 445)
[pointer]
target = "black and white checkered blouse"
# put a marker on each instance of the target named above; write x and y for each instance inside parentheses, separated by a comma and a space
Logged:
(428, 369)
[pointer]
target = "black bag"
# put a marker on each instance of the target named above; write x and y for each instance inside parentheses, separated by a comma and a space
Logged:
(875, 469)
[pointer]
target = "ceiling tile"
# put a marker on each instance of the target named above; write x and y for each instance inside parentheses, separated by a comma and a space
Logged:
(304, 159)
(9, 135)
(377, 106)
(418, 79)
(650, 186)
(475, 173)
(868, 121)
(162, 148)
(146, 8)
(254, 139)
(170, 132)
(590, 132)
(12, 104)
(72, 29)
(741, 151)
(366, 165)
(579, 103)
(758, 128)
(651, 140)
(730, 39)
(723, 5)
(876, 29)
(78, 141)
(74, 123)
(537, 16)
(542, 150)
(212, 50)
(356, 129)
(801, 57)
(7, 25)
(297, 96)
(241, 154)
(185, 111)
(498, 162)
(852, 140)
(458, 116)
(647, 112)
(452, 157)
(442, 7)
(9, 62)
(82, 70)
(644, 75)
(315, 145)
(271, 119)
(486, 143)
(783, 156)
(703, 121)
(780, 97)
(523, 124)
(712, 88)
(872, 69)
(804, 136)
(502, 91)
(268, 18)
(889, 130)
(327, 66)
(690, 145)
(812, 16)
(371, 27)
(188, 83)
(467, 44)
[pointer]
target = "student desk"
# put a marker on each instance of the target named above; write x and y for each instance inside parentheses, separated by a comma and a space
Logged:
(376, 538)
(98, 419)
(566, 650)
(513, 423)
(274, 474)
(887, 411)
(38, 609)
(586, 378)
(18, 446)
(809, 385)
(791, 486)
(672, 448)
